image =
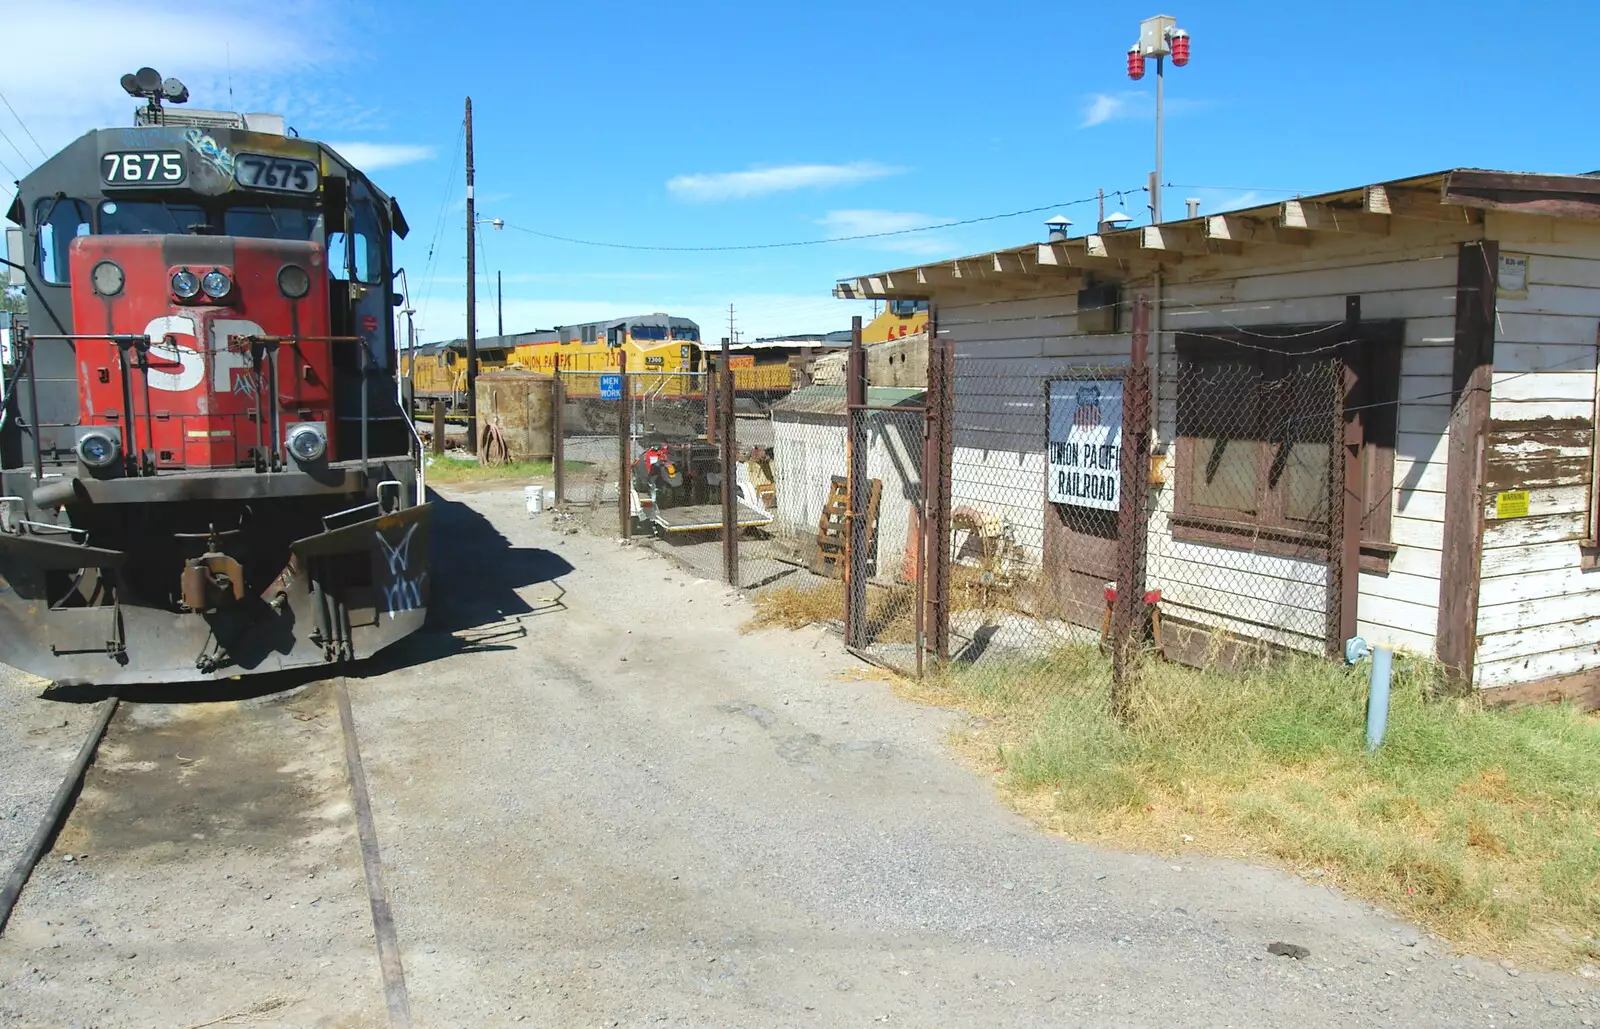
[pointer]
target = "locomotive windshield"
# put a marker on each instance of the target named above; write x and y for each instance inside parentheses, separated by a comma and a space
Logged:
(149, 218)
(269, 222)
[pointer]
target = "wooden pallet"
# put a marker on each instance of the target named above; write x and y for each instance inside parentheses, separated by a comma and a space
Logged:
(828, 558)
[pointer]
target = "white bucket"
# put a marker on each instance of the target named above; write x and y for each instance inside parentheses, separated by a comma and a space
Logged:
(535, 498)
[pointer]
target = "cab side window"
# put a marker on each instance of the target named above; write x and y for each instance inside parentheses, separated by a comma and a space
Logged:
(59, 220)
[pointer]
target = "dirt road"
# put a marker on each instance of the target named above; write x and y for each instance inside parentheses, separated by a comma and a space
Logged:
(601, 804)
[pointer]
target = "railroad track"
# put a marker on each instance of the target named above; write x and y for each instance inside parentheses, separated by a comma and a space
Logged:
(396, 997)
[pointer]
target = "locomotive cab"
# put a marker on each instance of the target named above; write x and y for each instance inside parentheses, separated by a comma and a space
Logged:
(204, 466)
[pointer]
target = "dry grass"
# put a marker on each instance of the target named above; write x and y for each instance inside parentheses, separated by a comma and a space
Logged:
(891, 611)
(1483, 825)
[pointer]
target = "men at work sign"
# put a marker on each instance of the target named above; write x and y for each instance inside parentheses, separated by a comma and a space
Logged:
(1084, 459)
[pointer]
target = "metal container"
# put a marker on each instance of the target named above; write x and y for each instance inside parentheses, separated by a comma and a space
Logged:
(518, 404)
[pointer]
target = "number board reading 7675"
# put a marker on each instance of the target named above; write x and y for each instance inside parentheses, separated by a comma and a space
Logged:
(281, 174)
(143, 168)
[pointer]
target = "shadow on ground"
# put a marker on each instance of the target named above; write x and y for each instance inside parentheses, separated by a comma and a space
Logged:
(474, 605)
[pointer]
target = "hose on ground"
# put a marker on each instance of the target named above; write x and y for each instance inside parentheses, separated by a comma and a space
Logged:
(492, 446)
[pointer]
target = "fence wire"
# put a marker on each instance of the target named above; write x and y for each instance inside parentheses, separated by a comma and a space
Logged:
(1239, 512)
(1043, 525)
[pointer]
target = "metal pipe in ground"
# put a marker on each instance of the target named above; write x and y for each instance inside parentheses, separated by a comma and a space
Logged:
(55, 814)
(558, 449)
(1378, 696)
(730, 475)
(855, 564)
(625, 450)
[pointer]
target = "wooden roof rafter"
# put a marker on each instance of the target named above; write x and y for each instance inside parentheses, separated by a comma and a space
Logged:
(1457, 196)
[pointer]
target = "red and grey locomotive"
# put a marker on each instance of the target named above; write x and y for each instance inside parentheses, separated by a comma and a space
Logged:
(204, 468)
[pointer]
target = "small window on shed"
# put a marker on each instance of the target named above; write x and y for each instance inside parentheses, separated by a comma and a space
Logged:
(59, 221)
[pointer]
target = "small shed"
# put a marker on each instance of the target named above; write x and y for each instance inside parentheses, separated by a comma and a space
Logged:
(809, 450)
(1420, 353)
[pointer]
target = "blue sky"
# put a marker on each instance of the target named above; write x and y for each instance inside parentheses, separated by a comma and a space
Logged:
(707, 124)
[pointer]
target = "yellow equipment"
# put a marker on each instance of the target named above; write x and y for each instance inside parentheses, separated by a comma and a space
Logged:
(438, 371)
(900, 318)
(664, 356)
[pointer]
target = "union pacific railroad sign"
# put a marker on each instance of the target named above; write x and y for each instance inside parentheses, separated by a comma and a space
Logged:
(1084, 456)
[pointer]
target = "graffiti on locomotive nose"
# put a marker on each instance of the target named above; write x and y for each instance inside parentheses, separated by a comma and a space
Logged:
(404, 591)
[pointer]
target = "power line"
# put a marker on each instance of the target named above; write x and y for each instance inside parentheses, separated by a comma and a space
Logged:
(25, 161)
(42, 151)
(818, 242)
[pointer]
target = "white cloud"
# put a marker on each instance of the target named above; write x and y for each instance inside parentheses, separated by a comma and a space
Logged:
(703, 186)
(845, 224)
(1100, 108)
(1104, 107)
(61, 94)
(369, 157)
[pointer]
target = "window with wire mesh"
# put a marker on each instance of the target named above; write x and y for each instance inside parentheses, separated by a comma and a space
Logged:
(1258, 415)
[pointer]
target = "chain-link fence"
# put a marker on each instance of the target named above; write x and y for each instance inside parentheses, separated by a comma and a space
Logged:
(1246, 523)
(1030, 523)
(588, 432)
(1196, 518)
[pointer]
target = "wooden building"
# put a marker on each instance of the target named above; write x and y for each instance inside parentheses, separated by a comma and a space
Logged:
(1469, 303)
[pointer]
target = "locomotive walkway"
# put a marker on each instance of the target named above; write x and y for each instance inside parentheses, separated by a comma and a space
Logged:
(600, 803)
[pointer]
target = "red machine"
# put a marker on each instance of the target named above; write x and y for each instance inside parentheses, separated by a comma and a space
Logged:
(204, 466)
(202, 389)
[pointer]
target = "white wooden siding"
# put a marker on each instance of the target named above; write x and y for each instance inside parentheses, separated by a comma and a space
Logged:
(999, 455)
(1539, 611)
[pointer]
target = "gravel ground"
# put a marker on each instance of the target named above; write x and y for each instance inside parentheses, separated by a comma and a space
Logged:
(638, 815)
(38, 739)
(602, 804)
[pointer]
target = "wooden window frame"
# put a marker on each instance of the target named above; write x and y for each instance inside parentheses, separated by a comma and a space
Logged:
(1372, 351)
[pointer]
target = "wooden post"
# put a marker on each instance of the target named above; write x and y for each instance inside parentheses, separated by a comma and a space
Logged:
(713, 391)
(1351, 480)
(855, 550)
(625, 450)
(730, 497)
(472, 299)
(1477, 267)
(558, 446)
(438, 428)
(1127, 613)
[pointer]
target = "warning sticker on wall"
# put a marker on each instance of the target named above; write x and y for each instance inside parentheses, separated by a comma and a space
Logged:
(1511, 504)
(1085, 444)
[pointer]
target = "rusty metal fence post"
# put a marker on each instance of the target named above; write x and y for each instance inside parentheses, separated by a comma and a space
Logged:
(730, 472)
(1128, 610)
(855, 563)
(558, 447)
(624, 449)
(937, 460)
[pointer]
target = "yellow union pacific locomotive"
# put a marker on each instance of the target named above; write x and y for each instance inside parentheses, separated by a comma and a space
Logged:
(663, 354)
(438, 371)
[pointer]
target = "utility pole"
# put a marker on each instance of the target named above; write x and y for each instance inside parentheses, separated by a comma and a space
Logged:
(472, 300)
(731, 337)
(499, 309)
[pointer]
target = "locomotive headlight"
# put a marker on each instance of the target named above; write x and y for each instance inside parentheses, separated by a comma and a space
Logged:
(98, 448)
(108, 278)
(216, 284)
(185, 284)
(307, 441)
(293, 282)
